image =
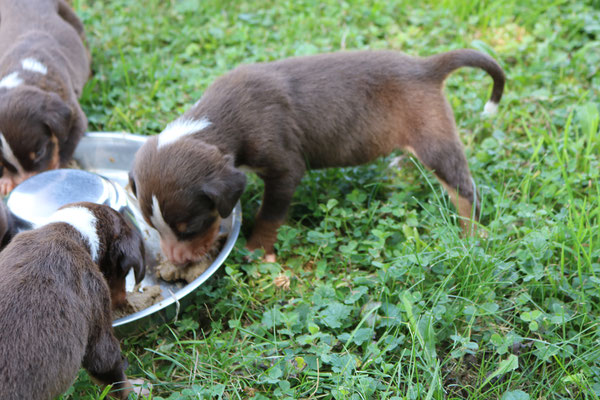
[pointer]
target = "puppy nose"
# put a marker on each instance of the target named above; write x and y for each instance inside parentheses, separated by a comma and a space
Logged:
(177, 253)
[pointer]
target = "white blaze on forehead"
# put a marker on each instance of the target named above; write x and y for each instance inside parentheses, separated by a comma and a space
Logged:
(31, 64)
(9, 155)
(158, 221)
(180, 128)
(83, 220)
(11, 80)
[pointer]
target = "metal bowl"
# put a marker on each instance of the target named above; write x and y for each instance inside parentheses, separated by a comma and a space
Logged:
(38, 197)
(110, 156)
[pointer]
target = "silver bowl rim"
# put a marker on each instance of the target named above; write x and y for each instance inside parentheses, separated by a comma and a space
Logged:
(190, 287)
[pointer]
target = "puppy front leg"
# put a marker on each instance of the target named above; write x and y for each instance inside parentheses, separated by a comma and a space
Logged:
(120, 389)
(273, 211)
(106, 366)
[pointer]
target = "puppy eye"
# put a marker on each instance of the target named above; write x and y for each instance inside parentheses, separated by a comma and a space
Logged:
(132, 186)
(41, 152)
(181, 227)
(187, 230)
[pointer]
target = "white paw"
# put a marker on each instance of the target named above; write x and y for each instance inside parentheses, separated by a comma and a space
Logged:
(270, 258)
(141, 387)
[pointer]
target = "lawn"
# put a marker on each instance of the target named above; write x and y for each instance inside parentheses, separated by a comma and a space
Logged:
(375, 294)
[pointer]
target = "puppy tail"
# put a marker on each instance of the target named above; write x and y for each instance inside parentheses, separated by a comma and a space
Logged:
(441, 65)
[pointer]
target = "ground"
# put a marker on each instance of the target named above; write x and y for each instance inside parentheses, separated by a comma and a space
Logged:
(375, 294)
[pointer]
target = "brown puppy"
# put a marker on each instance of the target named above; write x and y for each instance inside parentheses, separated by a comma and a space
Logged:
(55, 303)
(282, 117)
(44, 65)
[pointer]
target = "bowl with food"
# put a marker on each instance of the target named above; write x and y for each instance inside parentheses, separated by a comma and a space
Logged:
(99, 174)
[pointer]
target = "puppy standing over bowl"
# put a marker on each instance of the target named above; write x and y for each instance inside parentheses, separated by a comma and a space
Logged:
(55, 303)
(280, 118)
(44, 65)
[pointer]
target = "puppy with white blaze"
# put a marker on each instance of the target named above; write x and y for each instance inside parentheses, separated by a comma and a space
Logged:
(281, 118)
(58, 284)
(44, 65)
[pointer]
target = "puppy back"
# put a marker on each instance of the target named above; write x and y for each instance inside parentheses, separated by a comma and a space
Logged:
(49, 295)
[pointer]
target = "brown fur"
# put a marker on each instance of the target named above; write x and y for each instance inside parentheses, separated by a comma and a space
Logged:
(8, 227)
(283, 117)
(42, 116)
(55, 307)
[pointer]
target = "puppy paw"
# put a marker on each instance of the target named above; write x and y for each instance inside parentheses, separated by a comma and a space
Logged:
(141, 388)
(255, 255)
(6, 185)
(269, 258)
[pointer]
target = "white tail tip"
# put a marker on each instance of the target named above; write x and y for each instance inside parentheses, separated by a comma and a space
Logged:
(490, 108)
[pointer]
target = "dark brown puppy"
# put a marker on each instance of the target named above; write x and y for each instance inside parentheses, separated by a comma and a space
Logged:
(44, 65)
(8, 228)
(282, 117)
(55, 303)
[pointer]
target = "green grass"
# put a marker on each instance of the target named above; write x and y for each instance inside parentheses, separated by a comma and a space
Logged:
(385, 299)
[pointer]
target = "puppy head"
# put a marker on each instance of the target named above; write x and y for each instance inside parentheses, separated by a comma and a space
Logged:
(184, 189)
(116, 246)
(33, 125)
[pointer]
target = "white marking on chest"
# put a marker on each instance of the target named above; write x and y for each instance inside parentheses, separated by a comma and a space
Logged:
(158, 221)
(81, 219)
(180, 128)
(9, 155)
(31, 64)
(11, 80)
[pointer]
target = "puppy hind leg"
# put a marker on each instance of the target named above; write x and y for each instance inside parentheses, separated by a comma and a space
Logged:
(447, 160)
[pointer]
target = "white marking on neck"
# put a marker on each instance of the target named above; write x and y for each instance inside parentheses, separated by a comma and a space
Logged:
(490, 108)
(158, 221)
(9, 155)
(83, 220)
(180, 128)
(31, 64)
(11, 80)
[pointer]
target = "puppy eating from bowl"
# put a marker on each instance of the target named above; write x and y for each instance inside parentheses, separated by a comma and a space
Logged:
(281, 118)
(44, 65)
(58, 284)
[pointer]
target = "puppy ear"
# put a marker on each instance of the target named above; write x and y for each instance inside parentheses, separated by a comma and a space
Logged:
(227, 189)
(131, 254)
(57, 116)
